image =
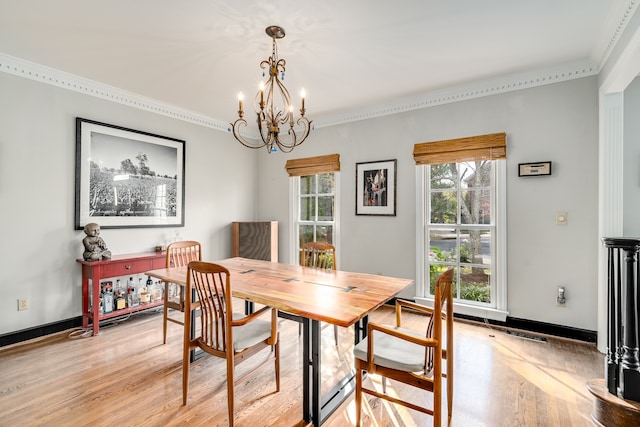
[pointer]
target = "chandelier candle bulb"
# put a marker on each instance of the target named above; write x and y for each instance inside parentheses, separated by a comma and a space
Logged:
(261, 95)
(240, 96)
(302, 96)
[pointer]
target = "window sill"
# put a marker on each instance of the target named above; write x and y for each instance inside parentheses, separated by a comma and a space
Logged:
(470, 310)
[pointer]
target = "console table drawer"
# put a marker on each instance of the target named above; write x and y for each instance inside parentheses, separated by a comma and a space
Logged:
(115, 269)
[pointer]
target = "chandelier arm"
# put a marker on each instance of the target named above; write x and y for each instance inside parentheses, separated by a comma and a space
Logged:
(306, 126)
(294, 136)
(262, 130)
(287, 148)
(235, 126)
(287, 115)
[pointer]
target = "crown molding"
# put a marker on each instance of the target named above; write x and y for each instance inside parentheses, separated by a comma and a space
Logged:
(621, 13)
(51, 76)
(477, 89)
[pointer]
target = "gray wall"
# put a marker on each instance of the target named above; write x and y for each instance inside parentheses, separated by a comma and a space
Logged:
(39, 245)
(557, 122)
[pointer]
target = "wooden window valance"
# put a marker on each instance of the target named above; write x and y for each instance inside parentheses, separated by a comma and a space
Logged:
(313, 165)
(482, 147)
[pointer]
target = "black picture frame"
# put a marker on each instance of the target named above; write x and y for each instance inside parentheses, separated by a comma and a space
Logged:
(376, 188)
(127, 178)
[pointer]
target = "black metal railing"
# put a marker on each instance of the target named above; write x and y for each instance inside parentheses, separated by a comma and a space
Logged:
(622, 369)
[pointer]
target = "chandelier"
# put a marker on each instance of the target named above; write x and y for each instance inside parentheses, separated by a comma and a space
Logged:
(273, 107)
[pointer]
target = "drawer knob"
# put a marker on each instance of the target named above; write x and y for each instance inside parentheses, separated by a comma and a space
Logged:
(128, 267)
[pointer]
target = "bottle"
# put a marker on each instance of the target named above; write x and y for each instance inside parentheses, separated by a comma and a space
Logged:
(133, 299)
(120, 302)
(150, 289)
(107, 302)
(158, 291)
(106, 295)
(143, 292)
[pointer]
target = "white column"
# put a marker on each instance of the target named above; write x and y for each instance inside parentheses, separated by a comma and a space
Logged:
(610, 193)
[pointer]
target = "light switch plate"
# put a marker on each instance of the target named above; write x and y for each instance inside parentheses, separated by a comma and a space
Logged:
(561, 218)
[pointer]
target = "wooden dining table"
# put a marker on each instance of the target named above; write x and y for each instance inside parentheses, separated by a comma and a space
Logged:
(310, 296)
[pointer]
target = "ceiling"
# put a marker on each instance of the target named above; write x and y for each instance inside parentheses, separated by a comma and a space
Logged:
(357, 55)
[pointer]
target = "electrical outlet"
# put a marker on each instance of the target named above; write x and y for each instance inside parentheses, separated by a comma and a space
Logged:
(561, 299)
(23, 304)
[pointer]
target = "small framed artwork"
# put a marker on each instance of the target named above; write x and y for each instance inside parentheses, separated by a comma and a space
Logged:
(127, 178)
(534, 169)
(376, 188)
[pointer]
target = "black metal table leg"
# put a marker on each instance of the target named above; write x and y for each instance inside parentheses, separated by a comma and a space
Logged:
(249, 306)
(193, 354)
(311, 365)
(306, 370)
(360, 329)
(317, 408)
(316, 364)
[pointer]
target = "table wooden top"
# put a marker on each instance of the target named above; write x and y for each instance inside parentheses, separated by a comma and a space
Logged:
(338, 297)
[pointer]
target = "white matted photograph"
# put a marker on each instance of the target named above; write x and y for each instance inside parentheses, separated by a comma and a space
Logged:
(376, 188)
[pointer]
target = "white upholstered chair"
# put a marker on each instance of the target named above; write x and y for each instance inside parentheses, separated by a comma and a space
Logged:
(411, 357)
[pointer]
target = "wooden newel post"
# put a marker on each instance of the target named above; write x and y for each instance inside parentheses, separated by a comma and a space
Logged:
(623, 316)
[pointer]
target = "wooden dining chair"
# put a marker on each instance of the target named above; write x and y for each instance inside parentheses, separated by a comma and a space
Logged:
(319, 255)
(179, 254)
(222, 335)
(410, 357)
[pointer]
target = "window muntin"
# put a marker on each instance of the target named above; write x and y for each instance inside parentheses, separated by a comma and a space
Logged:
(460, 228)
(316, 215)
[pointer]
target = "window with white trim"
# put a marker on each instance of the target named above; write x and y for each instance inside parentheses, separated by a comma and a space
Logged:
(314, 207)
(461, 186)
(316, 213)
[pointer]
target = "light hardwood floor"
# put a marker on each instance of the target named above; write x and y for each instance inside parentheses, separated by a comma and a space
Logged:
(125, 376)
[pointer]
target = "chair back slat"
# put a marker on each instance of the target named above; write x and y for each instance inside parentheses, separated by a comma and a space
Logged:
(213, 288)
(442, 293)
(318, 255)
(179, 254)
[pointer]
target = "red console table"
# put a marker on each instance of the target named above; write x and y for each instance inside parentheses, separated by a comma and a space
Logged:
(119, 265)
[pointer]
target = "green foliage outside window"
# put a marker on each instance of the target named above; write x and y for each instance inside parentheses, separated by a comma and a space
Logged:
(470, 289)
(460, 195)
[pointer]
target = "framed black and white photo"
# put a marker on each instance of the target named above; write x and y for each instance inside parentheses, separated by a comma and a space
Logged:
(376, 188)
(127, 178)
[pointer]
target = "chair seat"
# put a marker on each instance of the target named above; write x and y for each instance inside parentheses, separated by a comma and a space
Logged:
(252, 333)
(393, 352)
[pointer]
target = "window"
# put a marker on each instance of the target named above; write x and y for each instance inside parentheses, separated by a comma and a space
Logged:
(462, 218)
(314, 212)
